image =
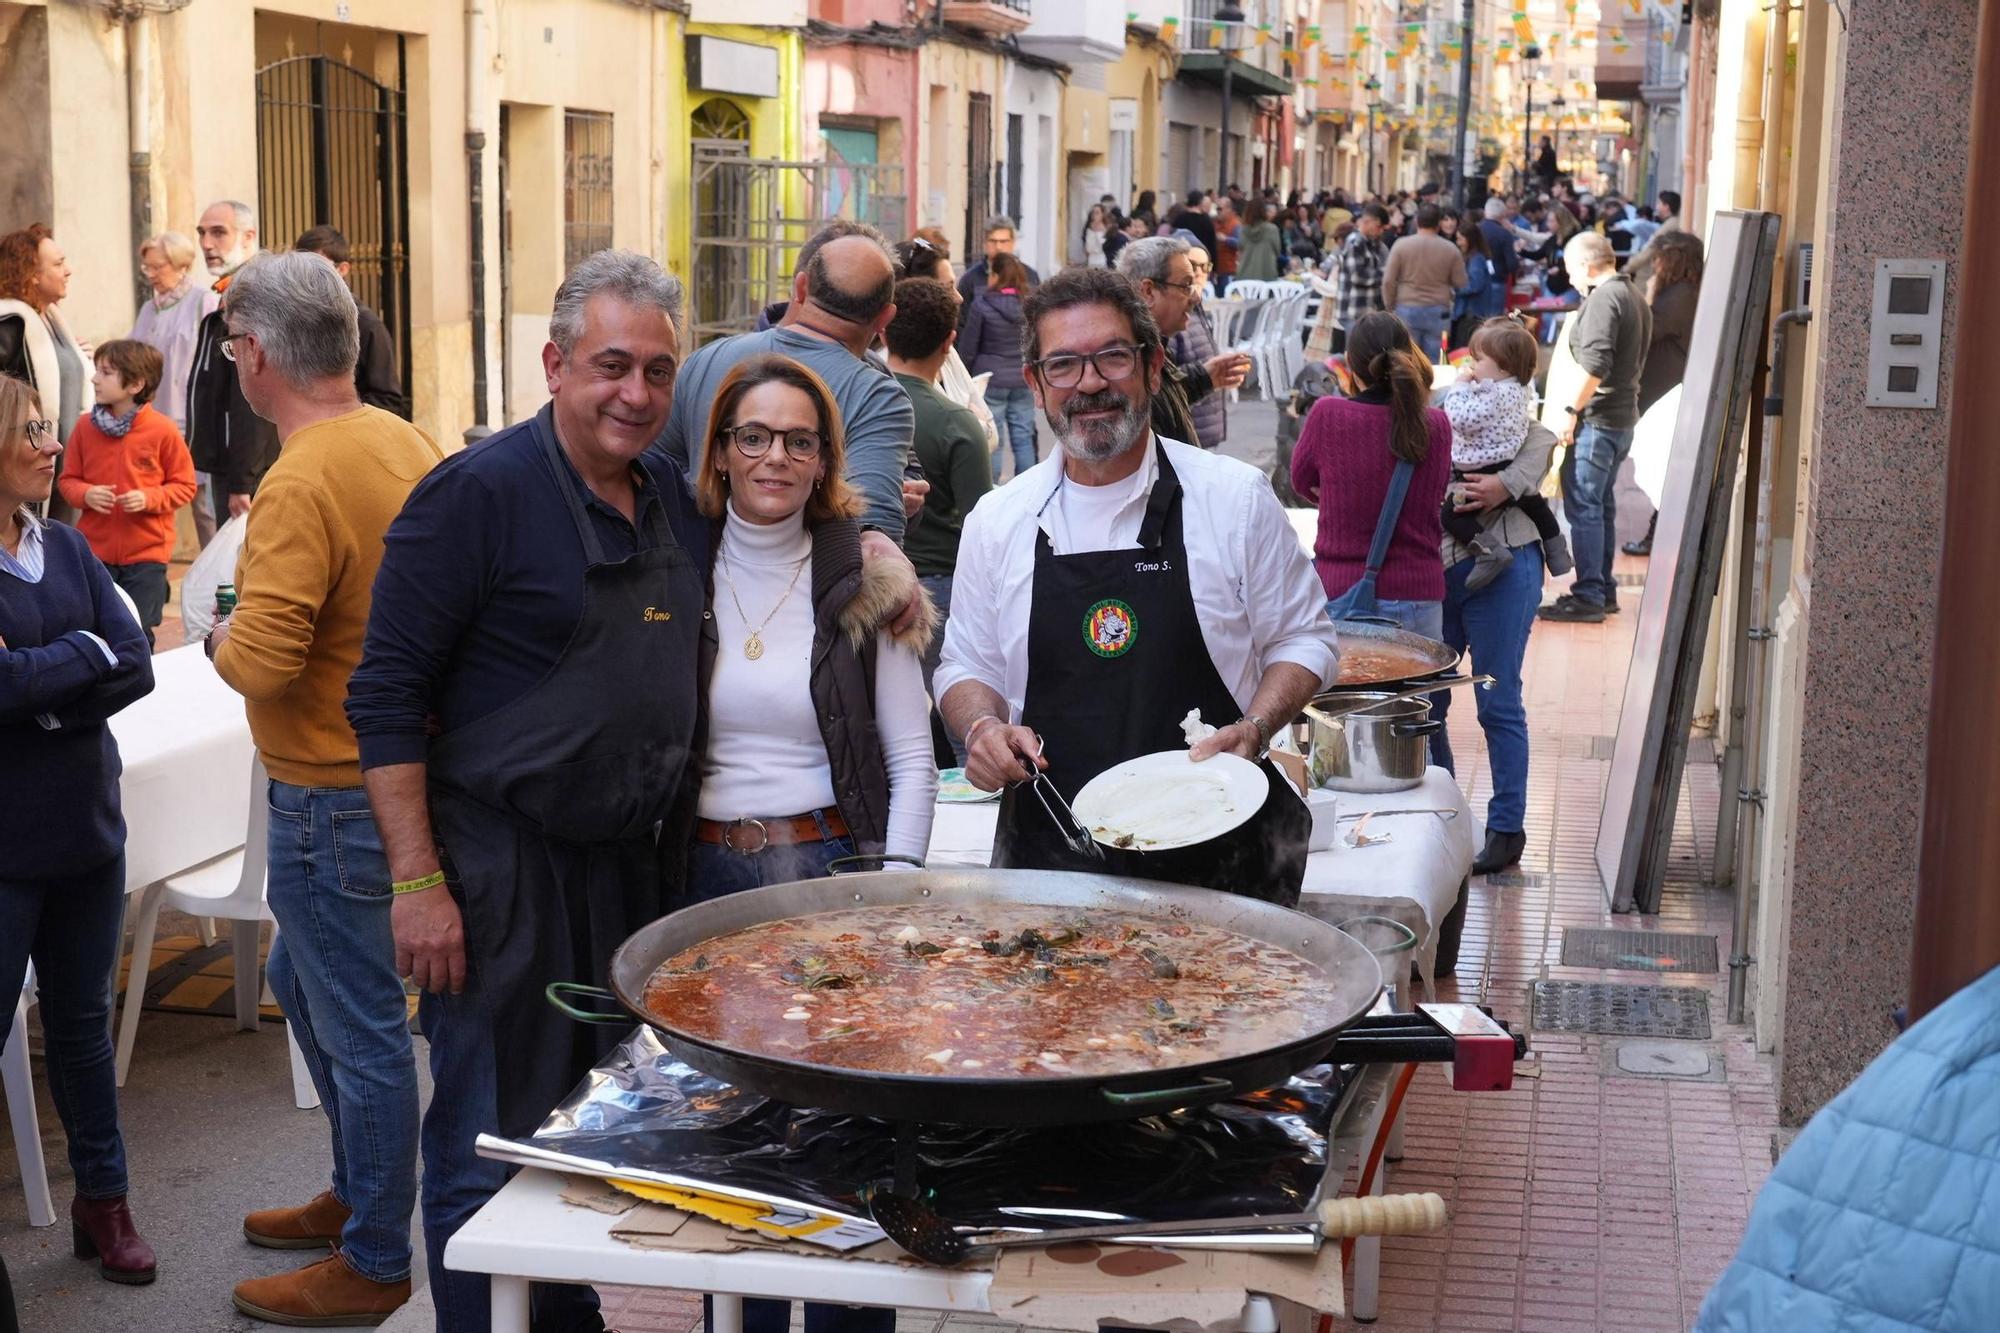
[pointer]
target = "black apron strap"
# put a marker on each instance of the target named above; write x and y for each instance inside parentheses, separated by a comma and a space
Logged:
(586, 531)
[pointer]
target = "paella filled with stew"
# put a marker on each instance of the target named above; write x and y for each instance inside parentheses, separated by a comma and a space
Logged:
(1009, 991)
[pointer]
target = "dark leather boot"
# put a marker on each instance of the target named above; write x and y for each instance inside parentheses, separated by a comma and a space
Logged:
(102, 1229)
(1501, 851)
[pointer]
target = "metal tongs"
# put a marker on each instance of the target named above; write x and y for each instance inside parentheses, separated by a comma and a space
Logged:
(1072, 829)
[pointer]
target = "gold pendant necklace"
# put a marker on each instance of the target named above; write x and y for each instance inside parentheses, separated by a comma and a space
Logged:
(753, 646)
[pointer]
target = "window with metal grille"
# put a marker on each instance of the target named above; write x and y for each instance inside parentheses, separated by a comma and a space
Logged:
(586, 184)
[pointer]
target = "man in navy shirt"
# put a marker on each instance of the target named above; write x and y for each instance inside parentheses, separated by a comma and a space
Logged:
(527, 705)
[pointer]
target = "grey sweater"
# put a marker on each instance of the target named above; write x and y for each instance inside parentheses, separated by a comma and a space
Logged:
(1609, 338)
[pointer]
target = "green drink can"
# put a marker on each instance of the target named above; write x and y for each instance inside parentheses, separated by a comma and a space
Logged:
(225, 599)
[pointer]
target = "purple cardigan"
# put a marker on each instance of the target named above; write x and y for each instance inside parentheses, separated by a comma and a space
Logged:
(1343, 461)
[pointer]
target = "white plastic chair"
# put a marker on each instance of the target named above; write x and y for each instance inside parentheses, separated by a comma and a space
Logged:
(229, 888)
(20, 1086)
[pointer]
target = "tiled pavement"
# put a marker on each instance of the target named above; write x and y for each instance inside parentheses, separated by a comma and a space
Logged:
(1581, 1200)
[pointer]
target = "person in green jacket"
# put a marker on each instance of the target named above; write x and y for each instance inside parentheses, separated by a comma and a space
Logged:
(1261, 257)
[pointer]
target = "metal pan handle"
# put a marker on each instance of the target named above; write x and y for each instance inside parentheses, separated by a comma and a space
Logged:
(1426, 728)
(1169, 1097)
(595, 994)
(851, 865)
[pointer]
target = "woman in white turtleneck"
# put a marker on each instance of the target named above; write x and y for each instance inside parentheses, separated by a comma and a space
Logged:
(799, 668)
(819, 742)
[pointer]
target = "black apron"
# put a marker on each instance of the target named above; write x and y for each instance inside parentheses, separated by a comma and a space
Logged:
(1115, 660)
(546, 811)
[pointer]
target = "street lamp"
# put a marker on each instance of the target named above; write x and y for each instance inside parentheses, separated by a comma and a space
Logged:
(1373, 86)
(1529, 55)
(1556, 108)
(1229, 19)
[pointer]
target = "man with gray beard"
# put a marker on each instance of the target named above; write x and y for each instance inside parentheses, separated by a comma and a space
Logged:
(1115, 586)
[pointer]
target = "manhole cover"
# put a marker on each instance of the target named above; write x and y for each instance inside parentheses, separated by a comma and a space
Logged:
(1664, 1059)
(1622, 1011)
(1638, 950)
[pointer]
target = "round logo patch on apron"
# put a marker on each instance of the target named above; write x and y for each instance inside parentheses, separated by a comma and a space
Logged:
(1110, 628)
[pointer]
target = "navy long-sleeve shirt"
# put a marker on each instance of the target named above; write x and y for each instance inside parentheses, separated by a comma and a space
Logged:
(57, 689)
(481, 587)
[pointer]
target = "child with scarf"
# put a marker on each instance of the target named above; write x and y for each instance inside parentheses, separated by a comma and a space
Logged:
(127, 471)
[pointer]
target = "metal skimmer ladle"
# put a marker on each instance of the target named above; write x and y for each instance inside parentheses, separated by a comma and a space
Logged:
(1332, 710)
(917, 1229)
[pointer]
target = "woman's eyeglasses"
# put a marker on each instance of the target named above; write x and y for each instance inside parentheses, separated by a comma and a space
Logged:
(1112, 364)
(755, 441)
(41, 434)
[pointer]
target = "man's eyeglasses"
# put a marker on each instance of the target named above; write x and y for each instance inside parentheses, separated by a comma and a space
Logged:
(41, 434)
(755, 441)
(228, 345)
(1185, 288)
(1065, 369)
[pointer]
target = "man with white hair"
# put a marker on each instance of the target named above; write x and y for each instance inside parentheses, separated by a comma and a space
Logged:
(1499, 239)
(1160, 268)
(1608, 337)
(231, 444)
(310, 552)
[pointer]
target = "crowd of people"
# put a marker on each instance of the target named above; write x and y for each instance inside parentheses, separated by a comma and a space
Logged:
(713, 619)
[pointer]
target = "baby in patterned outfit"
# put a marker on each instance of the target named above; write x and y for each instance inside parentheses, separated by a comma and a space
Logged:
(1490, 407)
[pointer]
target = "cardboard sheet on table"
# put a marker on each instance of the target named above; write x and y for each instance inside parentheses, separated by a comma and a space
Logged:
(1075, 1286)
(1081, 1285)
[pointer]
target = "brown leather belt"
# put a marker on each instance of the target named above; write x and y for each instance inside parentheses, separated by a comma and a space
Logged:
(751, 836)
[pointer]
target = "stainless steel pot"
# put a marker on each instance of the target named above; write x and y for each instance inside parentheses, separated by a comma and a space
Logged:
(1378, 749)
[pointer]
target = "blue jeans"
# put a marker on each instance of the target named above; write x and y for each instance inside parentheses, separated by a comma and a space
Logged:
(1426, 326)
(69, 926)
(714, 872)
(1589, 473)
(1494, 622)
(333, 969)
(1014, 413)
(458, 1181)
(1425, 618)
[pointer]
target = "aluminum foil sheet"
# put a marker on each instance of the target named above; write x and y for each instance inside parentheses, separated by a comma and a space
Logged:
(644, 1114)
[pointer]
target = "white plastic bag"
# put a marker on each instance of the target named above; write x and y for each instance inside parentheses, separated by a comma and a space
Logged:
(216, 565)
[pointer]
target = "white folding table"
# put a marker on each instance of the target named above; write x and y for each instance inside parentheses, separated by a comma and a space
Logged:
(527, 1233)
(186, 750)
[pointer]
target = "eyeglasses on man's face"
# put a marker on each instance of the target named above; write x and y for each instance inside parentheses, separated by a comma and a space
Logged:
(228, 345)
(754, 441)
(1112, 364)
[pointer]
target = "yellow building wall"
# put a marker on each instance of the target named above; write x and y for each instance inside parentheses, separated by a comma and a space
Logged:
(1139, 74)
(775, 129)
(957, 72)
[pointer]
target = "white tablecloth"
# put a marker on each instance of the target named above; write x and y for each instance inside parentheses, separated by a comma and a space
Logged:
(1414, 877)
(186, 748)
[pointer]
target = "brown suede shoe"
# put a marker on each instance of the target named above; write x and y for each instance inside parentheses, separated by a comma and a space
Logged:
(327, 1294)
(307, 1227)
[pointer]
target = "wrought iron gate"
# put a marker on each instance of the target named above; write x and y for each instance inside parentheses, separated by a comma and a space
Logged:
(752, 214)
(333, 148)
(978, 171)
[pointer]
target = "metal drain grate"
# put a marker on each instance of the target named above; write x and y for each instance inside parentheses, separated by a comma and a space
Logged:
(1622, 1011)
(1516, 879)
(1635, 579)
(1599, 747)
(1638, 950)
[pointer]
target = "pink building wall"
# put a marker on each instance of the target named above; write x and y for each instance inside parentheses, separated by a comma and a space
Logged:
(855, 87)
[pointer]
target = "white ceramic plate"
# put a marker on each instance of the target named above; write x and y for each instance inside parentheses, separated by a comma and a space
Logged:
(1161, 801)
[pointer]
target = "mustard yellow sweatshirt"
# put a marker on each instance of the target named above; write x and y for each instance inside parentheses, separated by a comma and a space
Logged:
(310, 551)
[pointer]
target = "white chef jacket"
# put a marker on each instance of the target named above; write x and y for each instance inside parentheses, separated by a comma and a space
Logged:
(1254, 587)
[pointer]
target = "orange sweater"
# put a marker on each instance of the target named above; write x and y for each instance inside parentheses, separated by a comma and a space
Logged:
(151, 458)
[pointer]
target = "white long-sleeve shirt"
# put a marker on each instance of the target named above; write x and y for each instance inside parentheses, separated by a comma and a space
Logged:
(766, 757)
(1254, 587)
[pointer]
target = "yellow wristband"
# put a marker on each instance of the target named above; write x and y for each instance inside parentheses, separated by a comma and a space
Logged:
(430, 881)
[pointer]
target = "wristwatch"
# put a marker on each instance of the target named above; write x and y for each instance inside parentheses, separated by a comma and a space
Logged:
(1574, 411)
(1263, 731)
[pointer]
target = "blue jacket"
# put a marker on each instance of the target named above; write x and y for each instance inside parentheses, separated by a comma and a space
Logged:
(1885, 1214)
(991, 338)
(1484, 295)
